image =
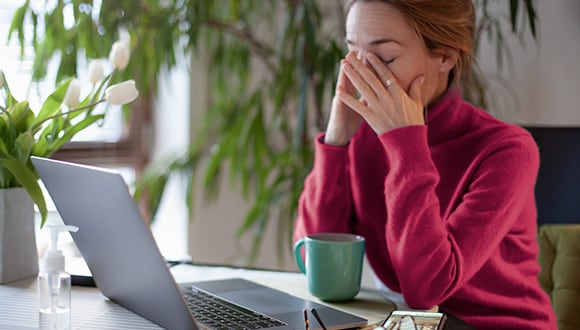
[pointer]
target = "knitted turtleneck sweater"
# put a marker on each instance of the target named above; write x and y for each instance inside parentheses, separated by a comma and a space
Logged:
(447, 210)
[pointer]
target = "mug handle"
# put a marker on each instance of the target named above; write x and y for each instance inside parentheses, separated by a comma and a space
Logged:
(298, 255)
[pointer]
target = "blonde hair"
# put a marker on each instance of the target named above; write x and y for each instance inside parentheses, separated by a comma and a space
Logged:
(441, 24)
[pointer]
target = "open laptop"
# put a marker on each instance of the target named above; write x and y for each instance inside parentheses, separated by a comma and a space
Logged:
(129, 269)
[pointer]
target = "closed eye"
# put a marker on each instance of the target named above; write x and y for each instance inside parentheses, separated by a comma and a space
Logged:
(389, 61)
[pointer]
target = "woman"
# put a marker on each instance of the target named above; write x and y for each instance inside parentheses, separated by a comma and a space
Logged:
(442, 191)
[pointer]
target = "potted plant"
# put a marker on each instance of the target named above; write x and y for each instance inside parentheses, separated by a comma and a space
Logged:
(24, 133)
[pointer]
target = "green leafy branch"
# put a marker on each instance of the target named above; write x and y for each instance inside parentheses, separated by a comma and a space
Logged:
(24, 134)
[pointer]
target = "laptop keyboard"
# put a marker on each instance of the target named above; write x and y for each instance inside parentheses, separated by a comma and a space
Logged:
(218, 313)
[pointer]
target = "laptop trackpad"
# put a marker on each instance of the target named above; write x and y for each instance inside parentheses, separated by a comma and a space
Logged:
(266, 301)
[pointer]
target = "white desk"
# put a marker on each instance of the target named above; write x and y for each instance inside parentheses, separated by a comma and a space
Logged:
(91, 310)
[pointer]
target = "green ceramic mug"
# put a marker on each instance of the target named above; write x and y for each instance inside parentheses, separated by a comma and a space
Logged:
(333, 265)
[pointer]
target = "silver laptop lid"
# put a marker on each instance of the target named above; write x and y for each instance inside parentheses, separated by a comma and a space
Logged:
(124, 259)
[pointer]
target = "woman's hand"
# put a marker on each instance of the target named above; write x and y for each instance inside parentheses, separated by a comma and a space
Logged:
(343, 121)
(386, 104)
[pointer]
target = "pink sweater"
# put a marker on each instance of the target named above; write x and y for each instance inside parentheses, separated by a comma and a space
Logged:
(447, 210)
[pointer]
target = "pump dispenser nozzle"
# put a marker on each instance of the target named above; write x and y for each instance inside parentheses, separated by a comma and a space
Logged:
(54, 259)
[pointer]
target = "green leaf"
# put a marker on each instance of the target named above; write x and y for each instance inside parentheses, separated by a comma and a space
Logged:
(3, 148)
(514, 4)
(17, 25)
(72, 131)
(532, 17)
(28, 180)
(20, 117)
(40, 148)
(189, 190)
(156, 190)
(10, 100)
(52, 103)
(23, 146)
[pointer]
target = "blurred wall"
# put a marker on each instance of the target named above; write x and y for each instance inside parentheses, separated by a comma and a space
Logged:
(212, 231)
(542, 87)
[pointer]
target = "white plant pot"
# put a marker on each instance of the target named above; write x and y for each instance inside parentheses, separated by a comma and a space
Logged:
(18, 252)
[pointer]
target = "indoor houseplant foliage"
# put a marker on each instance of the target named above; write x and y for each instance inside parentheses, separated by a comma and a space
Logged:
(25, 133)
(260, 125)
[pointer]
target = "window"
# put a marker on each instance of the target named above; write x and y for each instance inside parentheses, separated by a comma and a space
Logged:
(115, 144)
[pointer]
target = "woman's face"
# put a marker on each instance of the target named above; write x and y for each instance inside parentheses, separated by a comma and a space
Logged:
(377, 27)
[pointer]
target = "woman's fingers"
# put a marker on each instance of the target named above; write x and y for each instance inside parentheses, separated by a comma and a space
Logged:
(343, 121)
(343, 81)
(355, 104)
(415, 90)
(385, 75)
(378, 123)
(358, 81)
(417, 116)
(371, 78)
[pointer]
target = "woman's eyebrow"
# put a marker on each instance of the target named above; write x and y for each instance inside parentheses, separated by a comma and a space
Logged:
(375, 42)
(382, 41)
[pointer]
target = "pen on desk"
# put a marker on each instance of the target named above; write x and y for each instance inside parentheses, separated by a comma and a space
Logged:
(306, 325)
(315, 313)
(381, 324)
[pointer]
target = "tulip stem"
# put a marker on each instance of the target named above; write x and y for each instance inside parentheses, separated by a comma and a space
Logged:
(104, 84)
(62, 114)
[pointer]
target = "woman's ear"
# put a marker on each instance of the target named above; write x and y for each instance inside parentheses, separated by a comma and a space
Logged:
(448, 58)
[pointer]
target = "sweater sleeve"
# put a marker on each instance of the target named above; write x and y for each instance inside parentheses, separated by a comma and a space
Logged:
(325, 204)
(434, 257)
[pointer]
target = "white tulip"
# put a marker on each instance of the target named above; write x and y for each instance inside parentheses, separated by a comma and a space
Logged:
(96, 71)
(121, 93)
(73, 94)
(120, 53)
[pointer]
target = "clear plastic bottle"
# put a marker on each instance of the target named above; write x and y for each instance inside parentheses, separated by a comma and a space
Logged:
(54, 286)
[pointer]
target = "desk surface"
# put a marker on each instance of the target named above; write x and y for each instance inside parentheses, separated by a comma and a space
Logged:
(91, 310)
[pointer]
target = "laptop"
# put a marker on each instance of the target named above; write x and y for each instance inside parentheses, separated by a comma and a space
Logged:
(129, 269)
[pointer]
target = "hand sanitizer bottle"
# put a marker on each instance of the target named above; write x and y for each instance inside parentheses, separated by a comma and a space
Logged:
(54, 286)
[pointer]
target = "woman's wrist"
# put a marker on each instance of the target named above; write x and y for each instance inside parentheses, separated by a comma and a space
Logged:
(333, 138)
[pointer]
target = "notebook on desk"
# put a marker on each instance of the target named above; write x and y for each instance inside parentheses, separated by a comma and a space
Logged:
(129, 269)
